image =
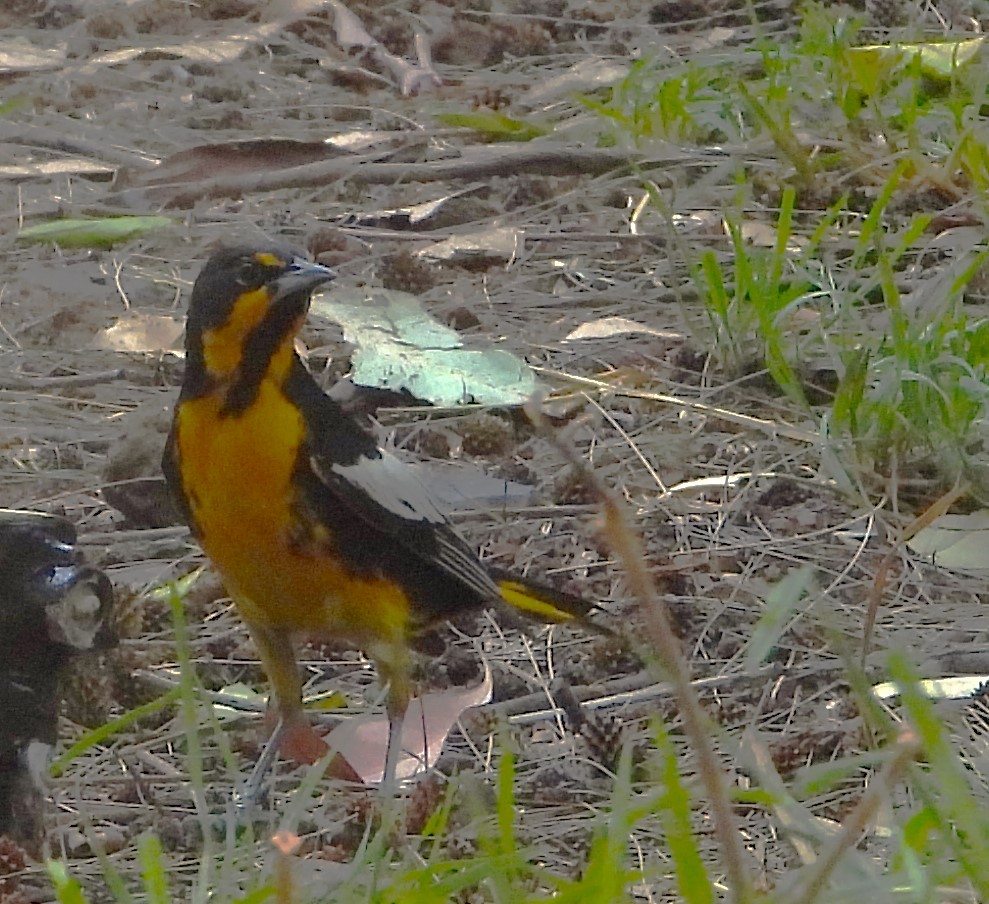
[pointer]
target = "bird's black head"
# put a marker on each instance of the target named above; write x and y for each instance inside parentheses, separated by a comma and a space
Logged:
(241, 284)
(247, 303)
(48, 597)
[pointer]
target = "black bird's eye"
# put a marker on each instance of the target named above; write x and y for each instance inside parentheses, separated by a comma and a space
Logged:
(248, 274)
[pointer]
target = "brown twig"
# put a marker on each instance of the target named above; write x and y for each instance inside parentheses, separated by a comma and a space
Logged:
(627, 547)
(474, 163)
(772, 429)
(26, 382)
(939, 507)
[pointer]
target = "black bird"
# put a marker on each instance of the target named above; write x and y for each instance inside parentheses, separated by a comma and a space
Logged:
(52, 607)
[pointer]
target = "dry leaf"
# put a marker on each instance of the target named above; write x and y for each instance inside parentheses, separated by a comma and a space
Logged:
(607, 327)
(763, 235)
(501, 242)
(67, 166)
(18, 55)
(232, 158)
(587, 75)
(137, 332)
(956, 542)
(415, 216)
(363, 741)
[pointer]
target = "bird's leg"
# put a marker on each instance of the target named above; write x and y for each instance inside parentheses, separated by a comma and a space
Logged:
(293, 735)
(250, 793)
(396, 705)
(392, 660)
(296, 737)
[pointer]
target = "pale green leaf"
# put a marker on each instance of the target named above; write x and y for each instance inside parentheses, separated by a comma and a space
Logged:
(400, 346)
(940, 58)
(873, 64)
(95, 233)
(446, 376)
(958, 542)
(780, 607)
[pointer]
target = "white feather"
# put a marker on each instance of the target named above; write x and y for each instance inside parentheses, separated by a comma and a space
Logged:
(391, 484)
(36, 758)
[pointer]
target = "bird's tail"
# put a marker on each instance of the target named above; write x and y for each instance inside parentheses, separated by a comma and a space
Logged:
(545, 604)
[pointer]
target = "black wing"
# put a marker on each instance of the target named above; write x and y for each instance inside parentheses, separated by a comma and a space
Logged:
(373, 502)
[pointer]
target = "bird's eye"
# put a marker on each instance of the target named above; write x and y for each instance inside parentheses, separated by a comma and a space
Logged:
(247, 273)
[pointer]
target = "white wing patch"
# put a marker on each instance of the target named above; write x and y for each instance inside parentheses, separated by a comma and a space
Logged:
(37, 758)
(391, 484)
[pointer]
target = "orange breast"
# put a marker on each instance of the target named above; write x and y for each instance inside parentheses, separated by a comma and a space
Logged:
(237, 476)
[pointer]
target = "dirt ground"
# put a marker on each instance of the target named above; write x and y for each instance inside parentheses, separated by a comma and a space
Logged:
(98, 100)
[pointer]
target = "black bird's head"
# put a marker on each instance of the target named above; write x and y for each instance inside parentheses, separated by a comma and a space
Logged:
(246, 304)
(46, 592)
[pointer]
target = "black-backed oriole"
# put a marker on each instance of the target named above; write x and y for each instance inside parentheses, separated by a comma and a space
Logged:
(314, 528)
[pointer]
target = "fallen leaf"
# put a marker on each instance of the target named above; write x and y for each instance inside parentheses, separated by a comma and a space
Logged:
(363, 740)
(957, 687)
(218, 46)
(415, 216)
(72, 166)
(763, 235)
(499, 242)
(400, 346)
(712, 38)
(446, 377)
(713, 484)
(587, 75)
(958, 542)
(243, 698)
(138, 332)
(99, 232)
(18, 55)
(232, 158)
(606, 327)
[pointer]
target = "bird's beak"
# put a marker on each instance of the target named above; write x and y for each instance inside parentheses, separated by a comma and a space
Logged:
(301, 278)
(81, 617)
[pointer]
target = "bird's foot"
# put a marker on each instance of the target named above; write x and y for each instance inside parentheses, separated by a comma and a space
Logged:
(301, 744)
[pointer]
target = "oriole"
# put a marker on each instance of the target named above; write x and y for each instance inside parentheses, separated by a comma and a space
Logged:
(314, 528)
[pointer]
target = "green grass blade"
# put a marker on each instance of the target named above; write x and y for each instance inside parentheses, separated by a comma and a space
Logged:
(151, 859)
(951, 795)
(102, 732)
(188, 699)
(692, 877)
(67, 889)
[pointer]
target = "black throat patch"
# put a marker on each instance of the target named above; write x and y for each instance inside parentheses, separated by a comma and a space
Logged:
(260, 346)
